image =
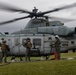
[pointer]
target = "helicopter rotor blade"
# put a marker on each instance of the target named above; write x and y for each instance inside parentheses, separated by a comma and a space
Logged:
(14, 20)
(61, 19)
(11, 8)
(58, 9)
(32, 14)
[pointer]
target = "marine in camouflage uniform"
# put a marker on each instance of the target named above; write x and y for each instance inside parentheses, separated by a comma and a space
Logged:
(57, 46)
(28, 46)
(4, 51)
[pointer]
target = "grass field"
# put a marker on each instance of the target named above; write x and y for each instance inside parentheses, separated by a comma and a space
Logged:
(48, 67)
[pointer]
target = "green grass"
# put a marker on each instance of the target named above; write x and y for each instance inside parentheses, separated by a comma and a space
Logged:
(52, 67)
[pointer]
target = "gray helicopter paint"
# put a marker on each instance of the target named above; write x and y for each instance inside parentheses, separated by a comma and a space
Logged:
(34, 23)
(55, 30)
(15, 43)
(38, 26)
(61, 30)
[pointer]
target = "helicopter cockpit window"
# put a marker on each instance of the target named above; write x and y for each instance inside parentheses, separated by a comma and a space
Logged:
(55, 23)
(37, 23)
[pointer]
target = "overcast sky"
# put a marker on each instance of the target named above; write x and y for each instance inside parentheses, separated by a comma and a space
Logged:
(42, 5)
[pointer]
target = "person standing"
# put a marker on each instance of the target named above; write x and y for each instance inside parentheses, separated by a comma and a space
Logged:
(28, 46)
(4, 48)
(34, 10)
(57, 46)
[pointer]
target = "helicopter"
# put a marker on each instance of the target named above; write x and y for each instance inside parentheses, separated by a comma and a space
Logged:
(41, 31)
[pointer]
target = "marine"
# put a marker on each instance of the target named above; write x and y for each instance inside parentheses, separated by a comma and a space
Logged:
(57, 46)
(28, 46)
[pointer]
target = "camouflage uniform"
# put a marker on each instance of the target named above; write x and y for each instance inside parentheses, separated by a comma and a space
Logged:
(28, 46)
(4, 51)
(57, 47)
(0, 57)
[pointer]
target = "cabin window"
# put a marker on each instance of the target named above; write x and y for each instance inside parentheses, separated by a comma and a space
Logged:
(8, 39)
(17, 41)
(36, 41)
(23, 41)
(72, 42)
(53, 25)
(47, 23)
(50, 38)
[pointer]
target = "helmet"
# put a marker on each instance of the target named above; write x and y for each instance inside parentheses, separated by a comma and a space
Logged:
(28, 39)
(4, 41)
(34, 7)
(2, 38)
(57, 36)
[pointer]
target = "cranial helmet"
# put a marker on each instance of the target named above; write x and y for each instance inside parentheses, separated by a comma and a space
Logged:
(57, 36)
(4, 41)
(28, 39)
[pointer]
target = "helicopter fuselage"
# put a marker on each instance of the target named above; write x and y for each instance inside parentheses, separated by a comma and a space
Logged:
(41, 44)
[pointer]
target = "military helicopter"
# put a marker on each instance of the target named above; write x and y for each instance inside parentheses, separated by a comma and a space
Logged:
(39, 23)
(40, 30)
